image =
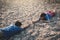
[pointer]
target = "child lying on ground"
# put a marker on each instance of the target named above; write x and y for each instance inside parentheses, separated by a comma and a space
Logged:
(47, 15)
(11, 30)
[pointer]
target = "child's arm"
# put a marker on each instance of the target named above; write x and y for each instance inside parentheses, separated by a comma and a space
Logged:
(36, 21)
(26, 27)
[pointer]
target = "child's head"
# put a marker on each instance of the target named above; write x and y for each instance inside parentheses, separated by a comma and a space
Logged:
(42, 16)
(17, 23)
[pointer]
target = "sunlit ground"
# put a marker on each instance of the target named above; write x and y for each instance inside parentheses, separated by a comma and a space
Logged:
(28, 11)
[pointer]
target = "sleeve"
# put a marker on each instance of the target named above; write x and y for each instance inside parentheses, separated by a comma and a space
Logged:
(47, 17)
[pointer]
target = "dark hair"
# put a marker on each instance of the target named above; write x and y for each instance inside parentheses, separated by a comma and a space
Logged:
(43, 16)
(17, 23)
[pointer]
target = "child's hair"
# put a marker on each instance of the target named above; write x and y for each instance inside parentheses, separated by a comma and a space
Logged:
(17, 23)
(42, 16)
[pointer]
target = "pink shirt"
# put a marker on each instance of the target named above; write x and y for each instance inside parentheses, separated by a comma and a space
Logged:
(51, 13)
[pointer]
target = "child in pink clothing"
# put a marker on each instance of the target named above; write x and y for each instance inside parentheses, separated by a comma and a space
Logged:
(51, 13)
(47, 15)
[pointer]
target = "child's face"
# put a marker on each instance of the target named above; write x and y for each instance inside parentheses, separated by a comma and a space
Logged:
(42, 18)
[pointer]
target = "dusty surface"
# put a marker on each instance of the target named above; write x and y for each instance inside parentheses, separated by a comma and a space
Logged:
(27, 12)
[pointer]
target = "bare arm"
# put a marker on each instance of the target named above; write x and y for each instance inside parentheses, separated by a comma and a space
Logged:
(37, 20)
(26, 27)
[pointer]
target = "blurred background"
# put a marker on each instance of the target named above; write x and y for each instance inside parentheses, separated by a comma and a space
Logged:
(28, 11)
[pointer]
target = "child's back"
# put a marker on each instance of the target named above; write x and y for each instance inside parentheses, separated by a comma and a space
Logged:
(11, 30)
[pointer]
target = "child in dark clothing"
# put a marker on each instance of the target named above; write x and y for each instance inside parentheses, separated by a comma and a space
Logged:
(11, 30)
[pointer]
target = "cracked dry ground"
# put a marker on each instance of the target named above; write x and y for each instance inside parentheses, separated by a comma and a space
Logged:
(37, 30)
